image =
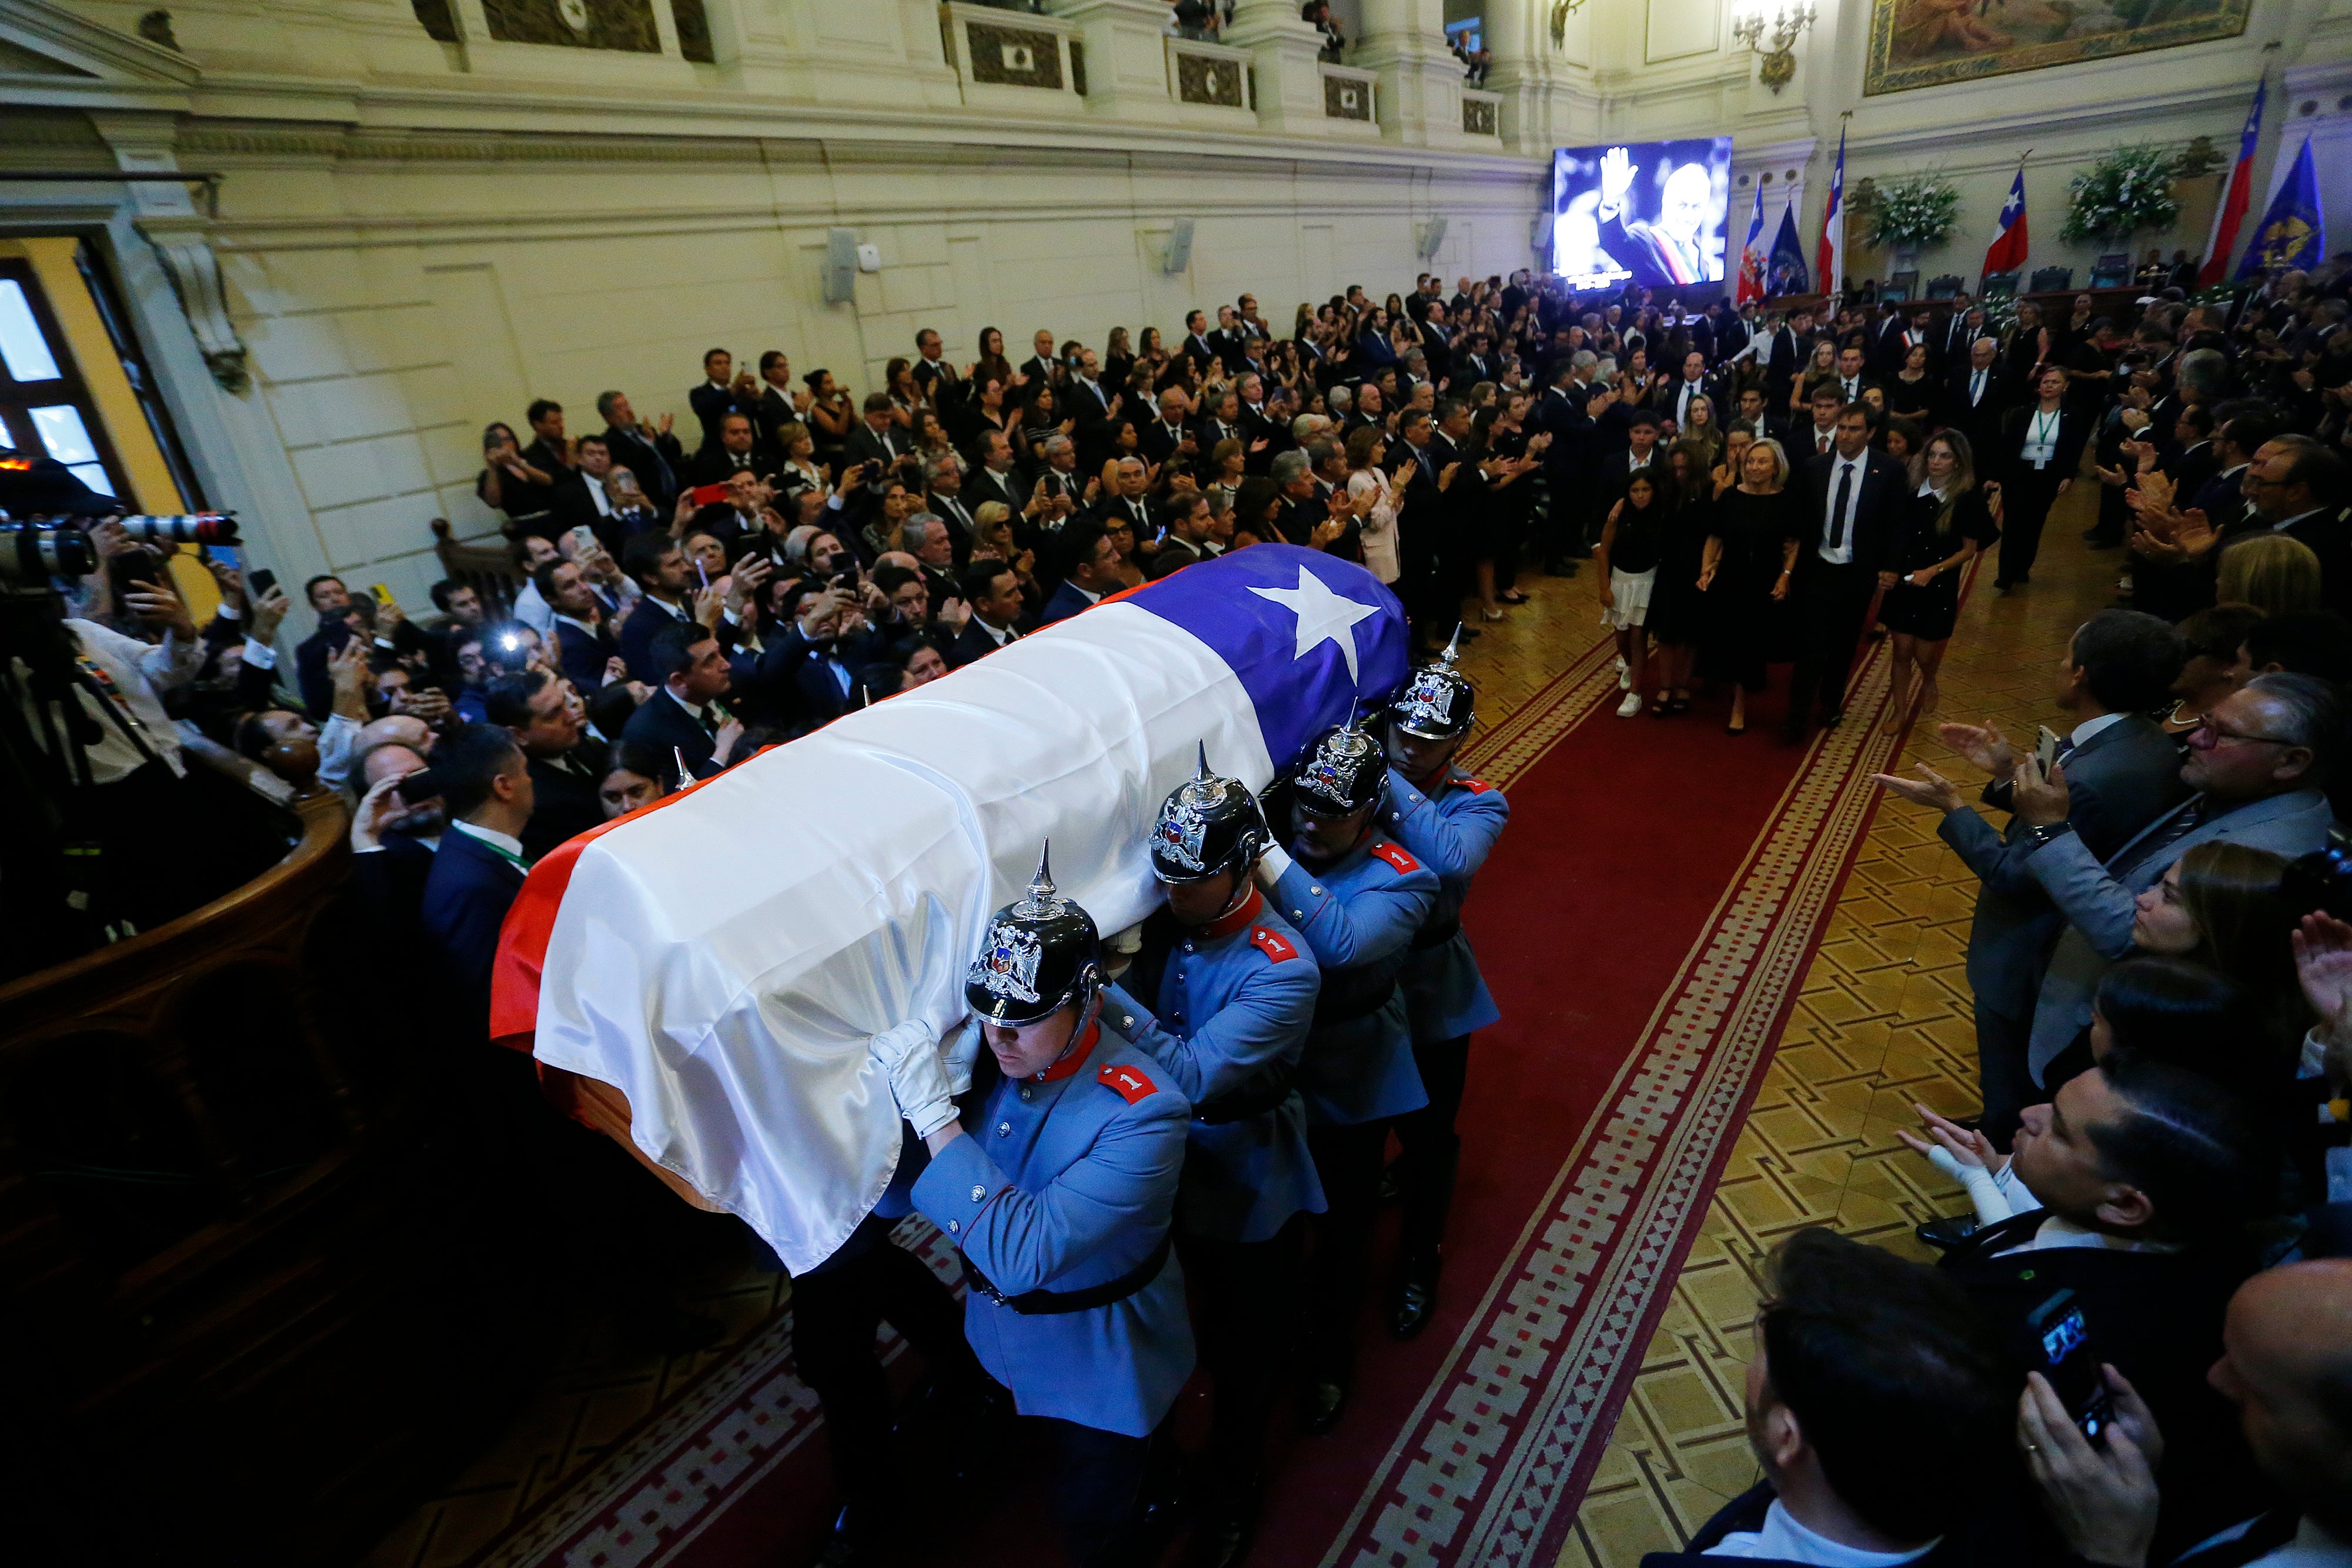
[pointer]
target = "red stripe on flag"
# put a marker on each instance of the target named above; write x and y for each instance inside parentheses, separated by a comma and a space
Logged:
(531, 924)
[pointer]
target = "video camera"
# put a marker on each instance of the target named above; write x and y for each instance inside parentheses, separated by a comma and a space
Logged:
(33, 553)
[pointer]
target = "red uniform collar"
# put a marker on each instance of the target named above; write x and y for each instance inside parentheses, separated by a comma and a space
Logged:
(1225, 925)
(1073, 1058)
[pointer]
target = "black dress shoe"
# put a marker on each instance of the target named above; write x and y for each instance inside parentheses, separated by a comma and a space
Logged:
(1832, 718)
(1415, 1300)
(855, 1540)
(1327, 1396)
(1945, 1234)
(1227, 1524)
(1392, 1181)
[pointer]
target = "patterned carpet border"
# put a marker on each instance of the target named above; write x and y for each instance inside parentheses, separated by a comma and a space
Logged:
(1488, 1469)
(748, 1411)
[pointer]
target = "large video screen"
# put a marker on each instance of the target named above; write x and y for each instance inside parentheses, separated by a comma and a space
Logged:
(1650, 213)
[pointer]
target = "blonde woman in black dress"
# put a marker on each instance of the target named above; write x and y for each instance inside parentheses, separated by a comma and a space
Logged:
(1952, 518)
(1751, 549)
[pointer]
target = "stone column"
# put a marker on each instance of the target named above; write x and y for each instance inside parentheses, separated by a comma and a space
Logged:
(1284, 56)
(1126, 62)
(1420, 79)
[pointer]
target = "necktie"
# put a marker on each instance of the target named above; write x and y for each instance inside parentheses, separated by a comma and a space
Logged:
(1837, 512)
(1976, 387)
(709, 719)
(1821, 441)
(2178, 826)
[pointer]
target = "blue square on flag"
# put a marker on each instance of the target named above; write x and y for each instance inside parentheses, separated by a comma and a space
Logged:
(1312, 637)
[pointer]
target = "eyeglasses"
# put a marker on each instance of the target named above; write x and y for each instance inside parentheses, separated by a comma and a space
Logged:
(2205, 726)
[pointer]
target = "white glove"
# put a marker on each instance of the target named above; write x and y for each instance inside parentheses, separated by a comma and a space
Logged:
(1271, 865)
(918, 1080)
(1120, 947)
(961, 1053)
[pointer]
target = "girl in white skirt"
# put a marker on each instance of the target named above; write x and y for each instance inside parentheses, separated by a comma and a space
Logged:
(1627, 560)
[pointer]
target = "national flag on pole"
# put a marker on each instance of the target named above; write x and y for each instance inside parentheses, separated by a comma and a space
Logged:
(1828, 257)
(1787, 274)
(2007, 252)
(722, 957)
(1751, 252)
(2291, 233)
(2231, 211)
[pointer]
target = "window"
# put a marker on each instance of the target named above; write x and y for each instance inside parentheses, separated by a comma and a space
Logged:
(44, 407)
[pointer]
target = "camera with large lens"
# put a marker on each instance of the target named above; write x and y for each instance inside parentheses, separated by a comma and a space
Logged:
(183, 527)
(33, 553)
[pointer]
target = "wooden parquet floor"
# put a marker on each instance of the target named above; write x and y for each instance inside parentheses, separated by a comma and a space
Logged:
(1882, 1021)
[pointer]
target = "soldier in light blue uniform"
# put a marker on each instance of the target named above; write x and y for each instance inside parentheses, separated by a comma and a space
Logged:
(1450, 821)
(1233, 989)
(1356, 898)
(1057, 1182)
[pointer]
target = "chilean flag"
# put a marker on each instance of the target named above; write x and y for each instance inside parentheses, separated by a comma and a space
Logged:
(2007, 252)
(2235, 197)
(1751, 252)
(722, 957)
(1829, 257)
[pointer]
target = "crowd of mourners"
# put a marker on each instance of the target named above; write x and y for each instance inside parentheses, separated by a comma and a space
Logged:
(2160, 956)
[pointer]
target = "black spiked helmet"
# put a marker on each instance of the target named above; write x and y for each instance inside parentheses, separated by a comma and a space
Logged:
(1040, 951)
(1207, 824)
(1436, 704)
(1345, 770)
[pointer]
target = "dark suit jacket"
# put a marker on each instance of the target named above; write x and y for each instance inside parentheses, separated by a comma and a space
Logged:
(656, 464)
(391, 881)
(466, 895)
(714, 465)
(2116, 782)
(584, 654)
(877, 451)
(713, 404)
(981, 485)
(637, 638)
(563, 797)
(790, 663)
(1067, 601)
(660, 724)
(2157, 1316)
(972, 645)
(2329, 535)
(1878, 516)
(2016, 424)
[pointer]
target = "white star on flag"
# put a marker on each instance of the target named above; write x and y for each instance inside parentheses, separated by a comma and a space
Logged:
(1323, 616)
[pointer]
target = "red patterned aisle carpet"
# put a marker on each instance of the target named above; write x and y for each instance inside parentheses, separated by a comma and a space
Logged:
(1644, 929)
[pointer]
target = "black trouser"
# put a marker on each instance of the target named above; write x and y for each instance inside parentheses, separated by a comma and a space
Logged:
(1433, 1149)
(1246, 1295)
(1098, 1492)
(835, 1311)
(2025, 501)
(2003, 1080)
(1831, 601)
(1348, 1161)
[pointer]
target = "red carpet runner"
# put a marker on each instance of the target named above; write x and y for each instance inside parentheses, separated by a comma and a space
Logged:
(1644, 929)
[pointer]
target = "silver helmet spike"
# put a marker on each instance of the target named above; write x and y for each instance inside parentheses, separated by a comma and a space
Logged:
(1042, 900)
(1452, 647)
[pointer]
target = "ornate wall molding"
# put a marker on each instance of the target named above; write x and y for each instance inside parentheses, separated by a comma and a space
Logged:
(1015, 56)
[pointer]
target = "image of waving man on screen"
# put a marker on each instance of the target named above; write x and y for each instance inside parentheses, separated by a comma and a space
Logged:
(1669, 250)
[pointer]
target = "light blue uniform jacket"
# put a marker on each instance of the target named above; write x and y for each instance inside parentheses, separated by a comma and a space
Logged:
(1359, 915)
(1058, 1187)
(1451, 831)
(1229, 1006)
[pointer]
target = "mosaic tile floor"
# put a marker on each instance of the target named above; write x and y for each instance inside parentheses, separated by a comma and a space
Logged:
(1882, 1022)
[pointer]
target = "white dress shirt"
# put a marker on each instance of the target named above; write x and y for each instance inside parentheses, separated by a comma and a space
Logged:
(140, 672)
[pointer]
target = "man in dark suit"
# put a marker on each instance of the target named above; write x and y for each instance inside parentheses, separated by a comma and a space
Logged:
(993, 477)
(684, 717)
(1090, 569)
(2297, 486)
(944, 500)
(566, 766)
(1125, 505)
(1090, 406)
(781, 403)
(810, 672)
(1784, 359)
(1852, 376)
(584, 617)
(479, 866)
(1230, 341)
(2143, 1174)
(649, 451)
(1042, 365)
(1870, 1376)
(1196, 346)
(737, 451)
(1673, 402)
(1977, 397)
(1753, 412)
(994, 591)
(719, 396)
(1419, 453)
(876, 442)
(1170, 433)
(2122, 770)
(550, 451)
(1853, 500)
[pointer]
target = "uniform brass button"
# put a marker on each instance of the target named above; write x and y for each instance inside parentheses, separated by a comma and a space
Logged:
(1028, 1093)
(1004, 1129)
(1126, 1020)
(953, 1228)
(978, 1193)
(1316, 890)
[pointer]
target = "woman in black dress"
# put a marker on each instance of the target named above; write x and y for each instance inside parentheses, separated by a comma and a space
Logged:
(1678, 609)
(1912, 394)
(1751, 547)
(1506, 454)
(1950, 520)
